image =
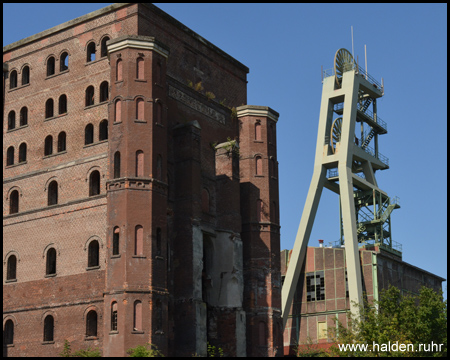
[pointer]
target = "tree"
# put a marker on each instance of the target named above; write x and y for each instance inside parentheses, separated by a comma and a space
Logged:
(418, 322)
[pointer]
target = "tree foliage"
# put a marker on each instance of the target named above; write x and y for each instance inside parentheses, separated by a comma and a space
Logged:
(406, 319)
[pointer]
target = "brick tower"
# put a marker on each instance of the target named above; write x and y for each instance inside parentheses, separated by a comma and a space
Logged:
(260, 229)
(137, 195)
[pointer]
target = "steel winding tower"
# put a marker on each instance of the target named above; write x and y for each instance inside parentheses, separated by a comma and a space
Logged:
(346, 164)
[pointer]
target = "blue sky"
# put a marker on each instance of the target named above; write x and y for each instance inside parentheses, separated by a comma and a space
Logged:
(284, 45)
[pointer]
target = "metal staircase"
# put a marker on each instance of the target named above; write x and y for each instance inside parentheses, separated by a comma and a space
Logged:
(368, 138)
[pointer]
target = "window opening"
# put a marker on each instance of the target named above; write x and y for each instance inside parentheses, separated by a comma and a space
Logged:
(116, 235)
(48, 328)
(259, 165)
(26, 75)
(51, 66)
(48, 147)
(137, 318)
(64, 62)
(140, 68)
(91, 323)
(315, 286)
(258, 131)
(104, 48)
(119, 70)
(140, 109)
(91, 52)
(118, 112)
(104, 91)
(49, 108)
(114, 316)
(62, 104)
(10, 156)
(139, 240)
(51, 262)
(53, 193)
(117, 165)
(13, 79)
(62, 141)
(103, 130)
(11, 270)
(139, 163)
(11, 120)
(22, 152)
(93, 254)
(90, 96)
(8, 332)
(14, 202)
(88, 134)
(94, 183)
(24, 116)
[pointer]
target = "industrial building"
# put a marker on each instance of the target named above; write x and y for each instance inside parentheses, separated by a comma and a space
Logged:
(140, 192)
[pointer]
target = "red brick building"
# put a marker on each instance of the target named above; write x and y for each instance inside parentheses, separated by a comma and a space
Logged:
(140, 196)
(322, 291)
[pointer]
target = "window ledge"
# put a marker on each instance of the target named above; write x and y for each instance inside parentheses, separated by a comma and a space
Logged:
(93, 268)
(14, 165)
(11, 281)
(50, 275)
(113, 332)
(88, 107)
(9, 345)
(95, 143)
(159, 257)
(140, 121)
(55, 75)
(259, 141)
(48, 342)
(140, 80)
(55, 154)
(90, 337)
(55, 117)
(115, 256)
(17, 128)
(139, 256)
(137, 332)
(19, 87)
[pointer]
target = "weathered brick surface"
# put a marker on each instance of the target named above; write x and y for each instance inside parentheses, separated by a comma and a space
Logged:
(188, 90)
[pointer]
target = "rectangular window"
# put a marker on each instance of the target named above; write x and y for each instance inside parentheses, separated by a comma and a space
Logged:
(322, 330)
(315, 286)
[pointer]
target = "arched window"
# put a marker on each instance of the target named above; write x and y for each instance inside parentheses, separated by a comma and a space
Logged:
(51, 262)
(259, 170)
(93, 254)
(159, 168)
(205, 200)
(90, 52)
(51, 66)
(90, 96)
(88, 134)
(62, 141)
(49, 108)
(114, 316)
(139, 240)
(8, 332)
(158, 241)
(137, 318)
(118, 111)
(11, 269)
(103, 47)
(14, 202)
(139, 109)
(13, 79)
(140, 68)
(62, 104)
(53, 193)
(64, 61)
(258, 131)
(104, 91)
(119, 70)
(48, 146)
(116, 165)
(49, 324)
(23, 116)
(22, 152)
(11, 120)
(116, 235)
(94, 183)
(26, 75)
(259, 208)
(103, 130)
(91, 323)
(139, 163)
(10, 156)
